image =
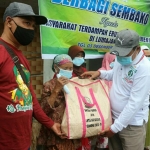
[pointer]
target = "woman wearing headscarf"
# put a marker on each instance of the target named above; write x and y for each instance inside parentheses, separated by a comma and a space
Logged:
(107, 64)
(147, 140)
(77, 54)
(53, 104)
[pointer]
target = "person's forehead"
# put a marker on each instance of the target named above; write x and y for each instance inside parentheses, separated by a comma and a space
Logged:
(69, 64)
(80, 53)
(29, 18)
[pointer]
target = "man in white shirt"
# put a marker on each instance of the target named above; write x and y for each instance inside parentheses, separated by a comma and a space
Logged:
(129, 95)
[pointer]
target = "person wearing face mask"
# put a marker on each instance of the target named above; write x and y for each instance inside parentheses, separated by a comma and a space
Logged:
(107, 64)
(147, 140)
(77, 54)
(53, 104)
(129, 94)
(18, 102)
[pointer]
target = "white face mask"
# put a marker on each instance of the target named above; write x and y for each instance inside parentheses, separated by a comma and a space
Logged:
(78, 61)
(148, 58)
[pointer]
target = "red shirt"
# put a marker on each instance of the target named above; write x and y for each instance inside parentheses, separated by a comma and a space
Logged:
(17, 104)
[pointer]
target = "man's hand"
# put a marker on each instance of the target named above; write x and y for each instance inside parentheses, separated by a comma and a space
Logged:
(91, 74)
(56, 128)
(106, 133)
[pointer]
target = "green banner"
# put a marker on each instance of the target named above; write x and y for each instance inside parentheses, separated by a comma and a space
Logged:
(91, 24)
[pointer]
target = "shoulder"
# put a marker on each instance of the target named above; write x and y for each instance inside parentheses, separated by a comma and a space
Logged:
(143, 68)
(144, 64)
(2, 50)
(84, 69)
(3, 54)
(47, 88)
(49, 85)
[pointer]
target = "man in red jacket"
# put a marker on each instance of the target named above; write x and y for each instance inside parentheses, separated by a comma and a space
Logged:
(18, 103)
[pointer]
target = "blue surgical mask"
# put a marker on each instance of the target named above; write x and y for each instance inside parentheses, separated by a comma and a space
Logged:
(148, 58)
(124, 61)
(65, 73)
(78, 61)
(111, 65)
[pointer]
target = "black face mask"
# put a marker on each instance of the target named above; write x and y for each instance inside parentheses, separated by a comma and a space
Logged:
(23, 36)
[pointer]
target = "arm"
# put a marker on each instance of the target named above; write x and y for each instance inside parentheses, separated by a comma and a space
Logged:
(38, 113)
(107, 75)
(139, 93)
(60, 82)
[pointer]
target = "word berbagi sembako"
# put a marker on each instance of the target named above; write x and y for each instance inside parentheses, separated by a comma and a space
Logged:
(102, 6)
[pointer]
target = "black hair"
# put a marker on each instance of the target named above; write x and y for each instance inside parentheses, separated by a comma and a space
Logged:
(134, 48)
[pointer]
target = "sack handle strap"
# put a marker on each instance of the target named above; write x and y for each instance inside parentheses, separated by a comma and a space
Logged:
(15, 60)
